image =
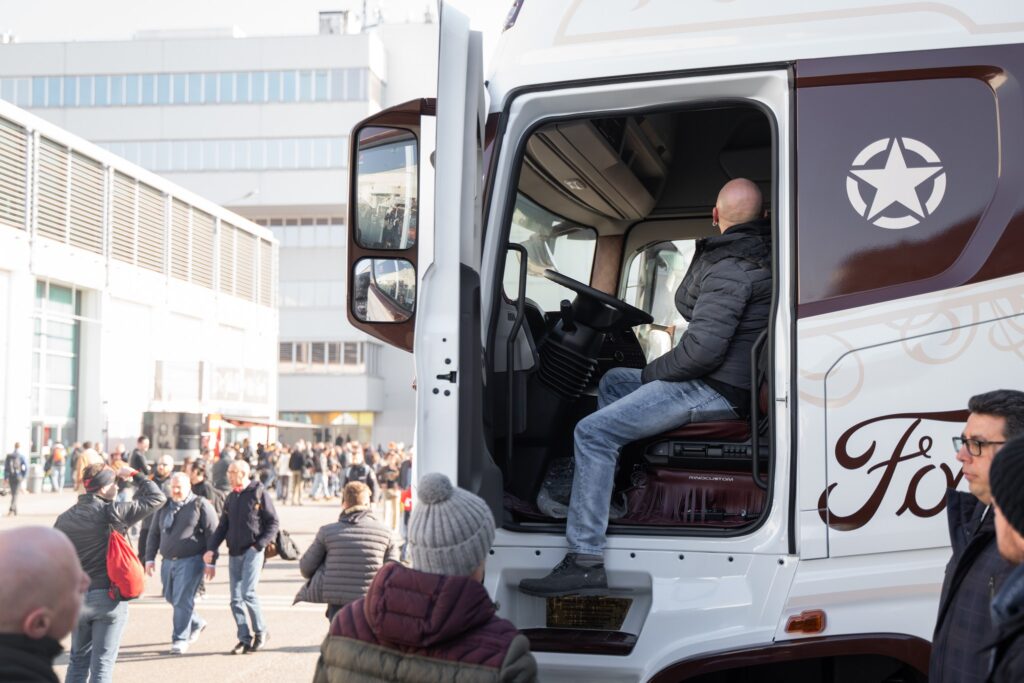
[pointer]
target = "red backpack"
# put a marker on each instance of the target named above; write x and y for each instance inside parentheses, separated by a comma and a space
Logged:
(127, 579)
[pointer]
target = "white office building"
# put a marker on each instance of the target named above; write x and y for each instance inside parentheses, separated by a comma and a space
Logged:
(124, 299)
(260, 125)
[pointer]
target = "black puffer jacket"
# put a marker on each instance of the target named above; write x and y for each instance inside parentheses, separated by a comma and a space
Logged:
(344, 557)
(726, 298)
(88, 522)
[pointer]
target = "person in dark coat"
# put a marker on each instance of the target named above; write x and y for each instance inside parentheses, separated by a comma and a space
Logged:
(97, 635)
(138, 460)
(41, 594)
(1006, 650)
(249, 524)
(726, 299)
(434, 622)
(346, 555)
(15, 469)
(975, 571)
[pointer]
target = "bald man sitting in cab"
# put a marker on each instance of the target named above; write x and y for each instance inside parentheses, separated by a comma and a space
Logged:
(726, 299)
(41, 589)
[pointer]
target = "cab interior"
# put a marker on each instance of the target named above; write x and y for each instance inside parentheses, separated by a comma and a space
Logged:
(603, 224)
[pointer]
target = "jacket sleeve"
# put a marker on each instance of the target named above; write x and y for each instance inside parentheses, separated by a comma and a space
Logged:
(716, 315)
(208, 520)
(148, 499)
(313, 557)
(371, 481)
(519, 665)
(268, 521)
(153, 536)
(213, 542)
(393, 552)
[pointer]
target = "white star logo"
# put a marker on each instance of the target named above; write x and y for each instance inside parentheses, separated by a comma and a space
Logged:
(896, 183)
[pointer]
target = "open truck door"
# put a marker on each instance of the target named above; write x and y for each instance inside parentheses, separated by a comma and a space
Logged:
(414, 250)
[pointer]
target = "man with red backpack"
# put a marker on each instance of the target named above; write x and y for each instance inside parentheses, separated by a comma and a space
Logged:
(89, 523)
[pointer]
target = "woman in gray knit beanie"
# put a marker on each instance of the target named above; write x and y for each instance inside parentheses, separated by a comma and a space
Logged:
(450, 530)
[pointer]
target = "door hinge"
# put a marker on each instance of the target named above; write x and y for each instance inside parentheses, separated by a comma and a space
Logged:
(450, 376)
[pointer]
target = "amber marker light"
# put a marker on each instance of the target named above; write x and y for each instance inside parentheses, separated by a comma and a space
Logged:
(809, 622)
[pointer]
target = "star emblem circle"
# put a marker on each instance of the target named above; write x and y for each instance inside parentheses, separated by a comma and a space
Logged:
(897, 202)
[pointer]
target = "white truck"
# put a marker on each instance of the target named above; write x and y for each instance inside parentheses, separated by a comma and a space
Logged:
(525, 234)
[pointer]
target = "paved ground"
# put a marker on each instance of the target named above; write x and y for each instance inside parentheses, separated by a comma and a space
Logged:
(295, 631)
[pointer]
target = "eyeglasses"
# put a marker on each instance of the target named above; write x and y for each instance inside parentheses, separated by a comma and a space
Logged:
(973, 446)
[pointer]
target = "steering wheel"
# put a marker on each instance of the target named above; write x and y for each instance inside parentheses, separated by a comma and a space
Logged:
(599, 310)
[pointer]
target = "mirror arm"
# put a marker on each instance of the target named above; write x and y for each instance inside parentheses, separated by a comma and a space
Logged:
(510, 363)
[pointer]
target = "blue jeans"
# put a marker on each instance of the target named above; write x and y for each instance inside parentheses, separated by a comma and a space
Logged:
(57, 478)
(181, 579)
(96, 638)
(319, 485)
(627, 410)
(243, 575)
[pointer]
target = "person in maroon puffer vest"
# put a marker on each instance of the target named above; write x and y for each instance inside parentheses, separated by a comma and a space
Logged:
(436, 621)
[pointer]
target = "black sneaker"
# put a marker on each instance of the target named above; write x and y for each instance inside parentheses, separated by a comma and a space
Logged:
(259, 641)
(568, 578)
(242, 647)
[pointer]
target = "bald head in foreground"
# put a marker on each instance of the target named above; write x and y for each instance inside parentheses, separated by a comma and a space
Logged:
(739, 201)
(41, 589)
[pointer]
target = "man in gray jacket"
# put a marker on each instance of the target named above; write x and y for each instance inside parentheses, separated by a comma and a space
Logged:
(726, 299)
(345, 556)
(180, 530)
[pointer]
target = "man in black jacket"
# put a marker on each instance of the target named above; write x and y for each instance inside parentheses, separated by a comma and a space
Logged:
(249, 524)
(726, 299)
(1007, 648)
(138, 460)
(161, 477)
(41, 594)
(976, 570)
(88, 523)
(180, 530)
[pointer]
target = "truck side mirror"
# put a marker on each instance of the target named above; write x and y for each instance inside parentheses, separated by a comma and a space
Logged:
(386, 180)
(383, 290)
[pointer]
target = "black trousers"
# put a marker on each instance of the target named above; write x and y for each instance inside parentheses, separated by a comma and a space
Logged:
(15, 484)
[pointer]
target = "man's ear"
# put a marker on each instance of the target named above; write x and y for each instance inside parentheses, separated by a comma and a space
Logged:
(37, 623)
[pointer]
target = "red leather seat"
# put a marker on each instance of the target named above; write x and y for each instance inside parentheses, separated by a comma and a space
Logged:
(734, 431)
(722, 430)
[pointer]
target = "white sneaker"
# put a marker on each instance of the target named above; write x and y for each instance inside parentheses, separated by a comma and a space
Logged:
(179, 647)
(194, 636)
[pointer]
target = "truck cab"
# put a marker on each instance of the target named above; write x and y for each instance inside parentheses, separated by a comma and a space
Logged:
(523, 237)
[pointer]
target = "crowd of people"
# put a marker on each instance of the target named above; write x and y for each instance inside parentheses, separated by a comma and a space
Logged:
(180, 516)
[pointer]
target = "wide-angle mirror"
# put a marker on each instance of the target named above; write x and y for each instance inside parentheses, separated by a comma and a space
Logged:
(387, 174)
(384, 290)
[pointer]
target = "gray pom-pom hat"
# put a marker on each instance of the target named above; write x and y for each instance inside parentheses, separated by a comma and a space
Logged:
(450, 530)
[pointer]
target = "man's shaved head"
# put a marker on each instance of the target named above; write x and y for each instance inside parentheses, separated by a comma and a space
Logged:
(739, 201)
(41, 583)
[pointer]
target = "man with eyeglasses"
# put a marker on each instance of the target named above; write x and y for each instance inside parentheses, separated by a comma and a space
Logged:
(976, 570)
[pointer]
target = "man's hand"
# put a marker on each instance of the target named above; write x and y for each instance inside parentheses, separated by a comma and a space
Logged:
(150, 568)
(209, 571)
(208, 557)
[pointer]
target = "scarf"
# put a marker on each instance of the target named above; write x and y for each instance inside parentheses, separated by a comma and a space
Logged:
(173, 507)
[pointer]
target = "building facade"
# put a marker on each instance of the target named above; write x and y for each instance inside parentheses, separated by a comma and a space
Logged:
(124, 299)
(259, 125)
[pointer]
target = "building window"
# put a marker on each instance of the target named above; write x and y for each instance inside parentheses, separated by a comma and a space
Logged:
(55, 346)
(331, 357)
(235, 154)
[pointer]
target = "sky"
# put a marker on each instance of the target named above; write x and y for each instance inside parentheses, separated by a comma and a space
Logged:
(69, 20)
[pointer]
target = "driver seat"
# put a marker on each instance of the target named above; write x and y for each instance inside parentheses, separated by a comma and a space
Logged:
(736, 431)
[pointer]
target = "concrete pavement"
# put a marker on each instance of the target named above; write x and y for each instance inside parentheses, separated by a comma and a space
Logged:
(295, 631)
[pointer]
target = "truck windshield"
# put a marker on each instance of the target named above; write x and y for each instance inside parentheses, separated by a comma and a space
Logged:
(653, 275)
(551, 242)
